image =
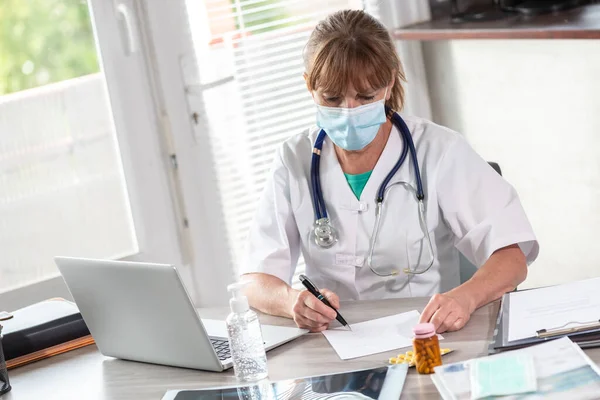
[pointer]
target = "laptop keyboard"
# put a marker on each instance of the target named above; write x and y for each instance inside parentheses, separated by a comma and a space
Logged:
(221, 348)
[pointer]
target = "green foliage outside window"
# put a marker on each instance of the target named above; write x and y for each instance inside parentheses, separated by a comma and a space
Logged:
(44, 41)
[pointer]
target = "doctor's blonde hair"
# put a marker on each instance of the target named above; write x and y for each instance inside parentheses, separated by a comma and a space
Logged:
(351, 46)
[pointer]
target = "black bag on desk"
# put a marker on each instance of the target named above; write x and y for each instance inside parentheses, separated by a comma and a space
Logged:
(4, 383)
(42, 330)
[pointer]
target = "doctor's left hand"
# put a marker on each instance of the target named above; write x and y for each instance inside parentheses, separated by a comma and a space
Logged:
(448, 311)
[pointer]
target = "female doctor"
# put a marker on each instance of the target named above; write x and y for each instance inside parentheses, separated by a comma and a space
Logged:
(379, 205)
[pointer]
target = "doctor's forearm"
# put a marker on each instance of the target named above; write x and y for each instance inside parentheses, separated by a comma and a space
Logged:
(269, 294)
(502, 273)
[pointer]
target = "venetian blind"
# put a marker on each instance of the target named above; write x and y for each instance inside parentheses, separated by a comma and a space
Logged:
(249, 56)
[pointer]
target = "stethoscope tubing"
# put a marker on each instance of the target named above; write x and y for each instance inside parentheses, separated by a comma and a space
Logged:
(409, 146)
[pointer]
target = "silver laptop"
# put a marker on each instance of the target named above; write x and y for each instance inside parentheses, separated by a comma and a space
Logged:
(142, 312)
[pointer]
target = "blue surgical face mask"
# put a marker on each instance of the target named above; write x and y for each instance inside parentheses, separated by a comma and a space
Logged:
(352, 128)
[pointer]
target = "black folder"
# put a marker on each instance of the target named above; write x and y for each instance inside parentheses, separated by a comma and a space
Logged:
(587, 338)
(42, 330)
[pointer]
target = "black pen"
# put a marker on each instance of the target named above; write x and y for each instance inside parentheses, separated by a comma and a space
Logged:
(313, 289)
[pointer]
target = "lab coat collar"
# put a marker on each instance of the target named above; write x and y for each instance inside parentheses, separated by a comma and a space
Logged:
(388, 159)
(332, 175)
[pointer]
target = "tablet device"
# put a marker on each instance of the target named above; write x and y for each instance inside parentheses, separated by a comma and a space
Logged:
(375, 383)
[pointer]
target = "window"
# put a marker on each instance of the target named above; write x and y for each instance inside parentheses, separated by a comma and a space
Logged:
(63, 190)
(83, 170)
(250, 85)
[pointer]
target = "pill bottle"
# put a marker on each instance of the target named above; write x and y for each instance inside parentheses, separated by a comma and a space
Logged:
(426, 348)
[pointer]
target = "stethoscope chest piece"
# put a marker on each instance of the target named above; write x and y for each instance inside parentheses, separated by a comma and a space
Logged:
(324, 234)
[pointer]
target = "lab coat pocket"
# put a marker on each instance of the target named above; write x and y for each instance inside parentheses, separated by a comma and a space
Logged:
(420, 260)
(389, 255)
(324, 267)
(418, 244)
(416, 252)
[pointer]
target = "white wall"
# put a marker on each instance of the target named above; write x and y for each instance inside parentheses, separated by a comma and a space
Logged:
(394, 13)
(534, 107)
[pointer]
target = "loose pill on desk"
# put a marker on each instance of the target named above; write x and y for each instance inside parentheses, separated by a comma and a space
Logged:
(410, 358)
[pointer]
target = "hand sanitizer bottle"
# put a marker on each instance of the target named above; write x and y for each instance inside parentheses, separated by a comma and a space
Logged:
(245, 338)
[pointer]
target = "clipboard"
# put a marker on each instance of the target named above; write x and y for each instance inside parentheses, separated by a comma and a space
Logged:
(563, 331)
(586, 335)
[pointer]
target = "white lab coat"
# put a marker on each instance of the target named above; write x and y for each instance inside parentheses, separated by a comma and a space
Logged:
(469, 208)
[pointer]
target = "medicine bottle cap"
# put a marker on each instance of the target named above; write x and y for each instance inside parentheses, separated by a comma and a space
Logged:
(424, 331)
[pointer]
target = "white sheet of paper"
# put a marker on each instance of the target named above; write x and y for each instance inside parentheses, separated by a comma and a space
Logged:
(553, 307)
(375, 336)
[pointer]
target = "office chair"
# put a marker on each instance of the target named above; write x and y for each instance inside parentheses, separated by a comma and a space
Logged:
(496, 167)
(466, 268)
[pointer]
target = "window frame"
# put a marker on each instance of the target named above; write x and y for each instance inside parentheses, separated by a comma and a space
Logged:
(211, 267)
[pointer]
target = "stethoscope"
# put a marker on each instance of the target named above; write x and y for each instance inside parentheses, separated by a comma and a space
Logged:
(325, 235)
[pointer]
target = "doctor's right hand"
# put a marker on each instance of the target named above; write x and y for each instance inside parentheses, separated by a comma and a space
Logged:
(310, 313)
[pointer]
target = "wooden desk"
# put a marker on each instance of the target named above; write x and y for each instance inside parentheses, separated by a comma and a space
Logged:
(86, 374)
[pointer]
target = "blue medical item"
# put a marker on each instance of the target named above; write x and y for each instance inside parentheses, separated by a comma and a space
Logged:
(352, 128)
